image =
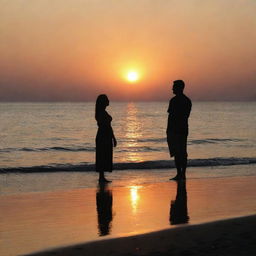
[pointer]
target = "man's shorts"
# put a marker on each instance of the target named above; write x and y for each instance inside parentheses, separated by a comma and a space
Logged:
(177, 144)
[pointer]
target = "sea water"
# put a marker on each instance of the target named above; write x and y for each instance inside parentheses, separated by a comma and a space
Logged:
(48, 137)
(36, 134)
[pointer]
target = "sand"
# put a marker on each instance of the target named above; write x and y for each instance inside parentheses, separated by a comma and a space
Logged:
(227, 237)
(34, 222)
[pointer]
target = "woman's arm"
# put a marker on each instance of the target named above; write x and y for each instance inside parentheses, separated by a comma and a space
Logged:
(114, 138)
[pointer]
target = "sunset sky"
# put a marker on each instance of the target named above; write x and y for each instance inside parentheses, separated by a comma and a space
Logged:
(73, 50)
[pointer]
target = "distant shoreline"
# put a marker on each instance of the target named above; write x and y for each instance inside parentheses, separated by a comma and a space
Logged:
(122, 101)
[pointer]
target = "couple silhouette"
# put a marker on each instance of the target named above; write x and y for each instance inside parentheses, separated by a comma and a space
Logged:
(177, 132)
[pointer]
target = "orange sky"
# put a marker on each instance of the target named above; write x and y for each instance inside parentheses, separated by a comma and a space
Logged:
(67, 50)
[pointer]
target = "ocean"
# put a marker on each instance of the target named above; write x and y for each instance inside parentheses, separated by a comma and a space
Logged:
(57, 137)
(52, 134)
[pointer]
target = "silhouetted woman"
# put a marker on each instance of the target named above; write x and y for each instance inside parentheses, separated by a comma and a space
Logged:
(105, 139)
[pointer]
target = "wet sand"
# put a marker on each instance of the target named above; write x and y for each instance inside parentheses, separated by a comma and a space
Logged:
(228, 237)
(32, 222)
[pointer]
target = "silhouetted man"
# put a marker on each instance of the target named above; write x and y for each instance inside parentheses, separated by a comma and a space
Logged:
(177, 128)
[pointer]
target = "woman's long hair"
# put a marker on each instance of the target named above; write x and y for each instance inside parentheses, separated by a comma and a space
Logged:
(101, 103)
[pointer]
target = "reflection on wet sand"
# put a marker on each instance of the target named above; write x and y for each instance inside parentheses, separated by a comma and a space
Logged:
(134, 197)
(104, 201)
(179, 209)
(72, 212)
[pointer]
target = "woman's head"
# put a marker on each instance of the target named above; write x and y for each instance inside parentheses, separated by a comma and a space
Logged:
(101, 103)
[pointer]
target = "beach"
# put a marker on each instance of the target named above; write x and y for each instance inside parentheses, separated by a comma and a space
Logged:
(229, 237)
(34, 222)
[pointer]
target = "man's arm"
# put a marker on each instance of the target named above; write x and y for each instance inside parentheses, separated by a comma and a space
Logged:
(189, 107)
(169, 111)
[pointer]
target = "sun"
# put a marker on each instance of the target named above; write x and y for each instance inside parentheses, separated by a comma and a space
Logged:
(132, 76)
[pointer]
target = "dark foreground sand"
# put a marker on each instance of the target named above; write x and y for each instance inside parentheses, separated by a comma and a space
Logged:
(232, 237)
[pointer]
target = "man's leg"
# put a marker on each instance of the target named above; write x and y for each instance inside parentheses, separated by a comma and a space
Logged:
(175, 150)
(184, 159)
(171, 146)
(178, 164)
(184, 167)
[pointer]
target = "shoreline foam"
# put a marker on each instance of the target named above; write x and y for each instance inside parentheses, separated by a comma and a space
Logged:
(160, 164)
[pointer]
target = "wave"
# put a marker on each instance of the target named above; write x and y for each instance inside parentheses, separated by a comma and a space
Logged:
(72, 149)
(141, 149)
(138, 148)
(212, 141)
(161, 164)
(191, 142)
(78, 149)
(152, 140)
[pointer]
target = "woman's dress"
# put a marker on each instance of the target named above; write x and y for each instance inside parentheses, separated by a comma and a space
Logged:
(104, 143)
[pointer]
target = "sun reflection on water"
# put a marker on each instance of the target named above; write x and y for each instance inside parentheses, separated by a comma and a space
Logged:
(133, 133)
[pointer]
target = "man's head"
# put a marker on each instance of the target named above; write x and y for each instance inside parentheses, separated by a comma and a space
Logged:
(178, 87)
